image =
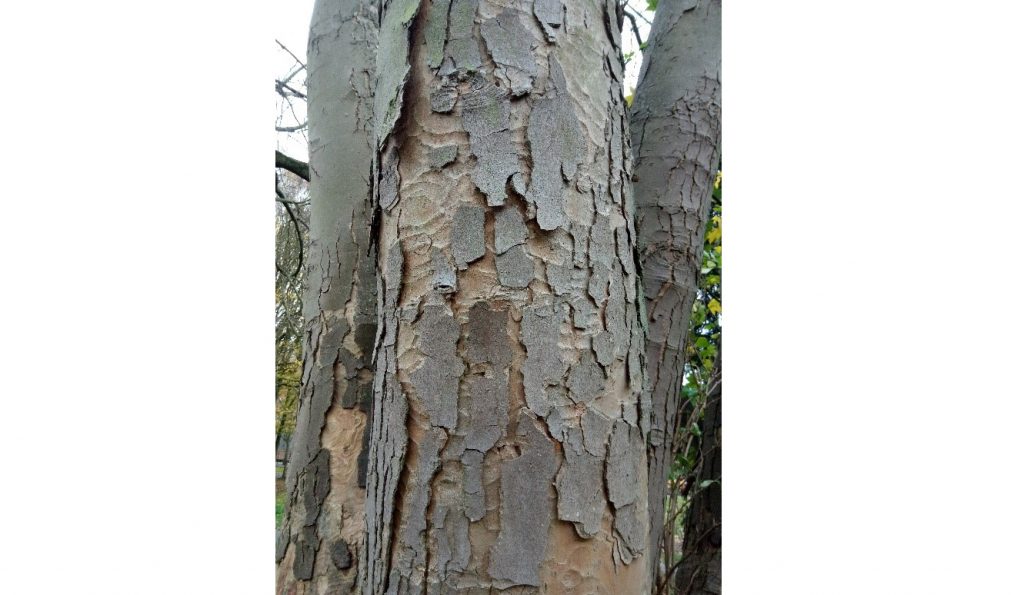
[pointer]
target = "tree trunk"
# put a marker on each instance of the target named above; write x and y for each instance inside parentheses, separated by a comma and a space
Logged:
(700, 572)
(323, 529)
(675, 127)
(509, 423)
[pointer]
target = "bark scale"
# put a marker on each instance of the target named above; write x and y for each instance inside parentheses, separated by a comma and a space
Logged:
(322, 532)
(675, 123)
(509, 422)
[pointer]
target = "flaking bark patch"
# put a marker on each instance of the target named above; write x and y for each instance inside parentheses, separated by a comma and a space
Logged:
(580, 497)
(437, 384)
(444, 273)
(392, 66)
(625, 457)
(468, 235)
(412, 550)
(586, 380)
(525, 507)
(390, 179)
(488, 411)
(509, 228)
(603, 344)
(504, 36)
(515, 268)
(488, 339)
(624, 471)
(443, 95)
(549, 15)
(442, 156)
(556, 147)
(596, 427)
(540, 330)
(472, 469)
(341, 556)
(306, 545)
(485, 116)
(317, 483)
(389, 437)
(436, 32)
(462, 47)
(630, 527)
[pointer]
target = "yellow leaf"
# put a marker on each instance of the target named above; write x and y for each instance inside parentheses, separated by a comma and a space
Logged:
(718, 179)
(715, 306)
(714, 235)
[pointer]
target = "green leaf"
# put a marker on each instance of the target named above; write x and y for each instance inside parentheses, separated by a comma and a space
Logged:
(707, 482)
(652, 5)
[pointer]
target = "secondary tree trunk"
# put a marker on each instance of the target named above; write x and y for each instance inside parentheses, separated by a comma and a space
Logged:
(509, 423)
(676, 128)
(700, 572)
(323, 529)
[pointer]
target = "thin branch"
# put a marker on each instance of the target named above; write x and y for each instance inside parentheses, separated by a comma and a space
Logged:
(638, 13)
(299, 168)
(292, 74)
(291, 108)
(286, 90)
(291, 128)
(635, 28)
(301, 63)
(298, 232)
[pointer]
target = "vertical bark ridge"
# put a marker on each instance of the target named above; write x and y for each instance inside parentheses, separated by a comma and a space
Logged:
(322, 530)
(509, 361)
(676, 130)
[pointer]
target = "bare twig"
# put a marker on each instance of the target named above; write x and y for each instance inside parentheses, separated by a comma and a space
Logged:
(298, 232)
(291, 128)
(291, 75)
(635, 28)
(286, 90)
(638, 14)
(299, 168)
(301, 63)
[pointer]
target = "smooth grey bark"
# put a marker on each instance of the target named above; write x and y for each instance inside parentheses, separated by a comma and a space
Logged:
(509, 422)
(700, 570)
(675, 123)
(323, 528)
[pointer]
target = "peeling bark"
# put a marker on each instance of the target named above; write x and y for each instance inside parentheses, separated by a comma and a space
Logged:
(323, 522)
(509, 357)
(675, 126)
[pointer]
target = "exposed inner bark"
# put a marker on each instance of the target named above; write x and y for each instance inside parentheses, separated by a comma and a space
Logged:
(324, 523)
(676, 129)
(508, 429)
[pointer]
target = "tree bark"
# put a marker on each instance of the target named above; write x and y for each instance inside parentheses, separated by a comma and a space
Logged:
(675, 126)
(509, 419)
(323, 529)
(700, 572)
